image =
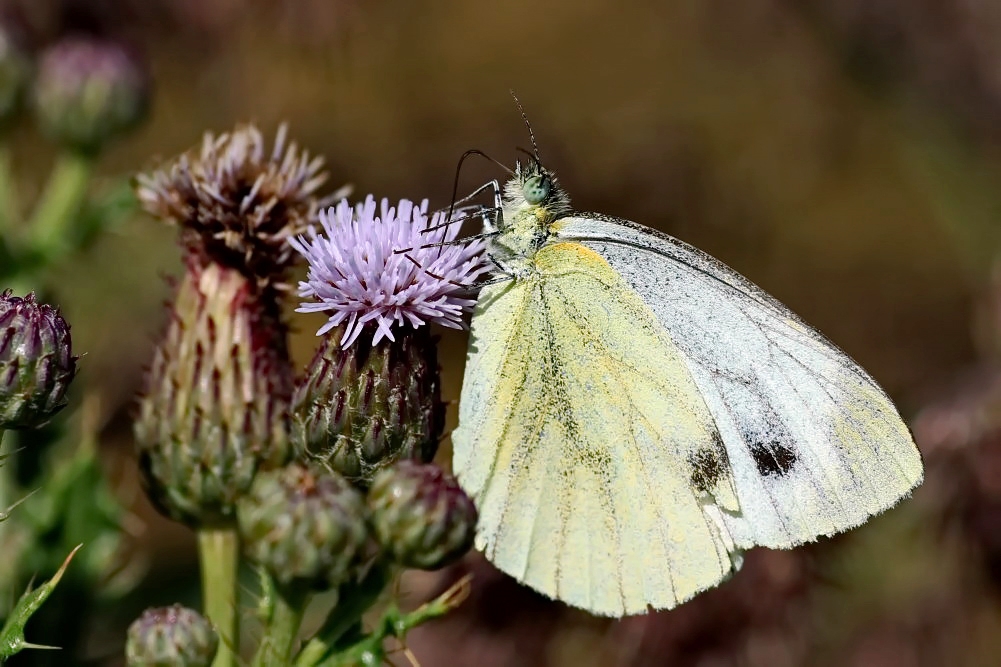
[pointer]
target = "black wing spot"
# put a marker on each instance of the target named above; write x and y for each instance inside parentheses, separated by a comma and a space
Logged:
(709, 465)
(773, 458)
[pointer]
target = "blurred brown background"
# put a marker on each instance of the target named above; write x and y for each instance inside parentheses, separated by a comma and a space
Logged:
(841, 153)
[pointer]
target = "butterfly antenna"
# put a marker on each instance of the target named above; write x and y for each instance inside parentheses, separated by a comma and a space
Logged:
(531, 157)
(531, 134)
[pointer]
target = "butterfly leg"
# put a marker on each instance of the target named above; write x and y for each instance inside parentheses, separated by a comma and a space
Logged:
(481, 210)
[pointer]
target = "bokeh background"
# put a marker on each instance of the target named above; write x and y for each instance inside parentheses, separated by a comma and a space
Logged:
(843, 154)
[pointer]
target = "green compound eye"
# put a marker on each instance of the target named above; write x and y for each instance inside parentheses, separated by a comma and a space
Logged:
(536, 189)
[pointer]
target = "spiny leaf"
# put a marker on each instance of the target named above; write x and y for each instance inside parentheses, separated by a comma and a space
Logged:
(12, 635)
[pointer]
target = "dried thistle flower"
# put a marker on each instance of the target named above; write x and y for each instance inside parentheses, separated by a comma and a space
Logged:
(170, 636)
(88, 92)
(237, 203)
(421, 516)
(215, 408)
(306, 526)
(369, 400)
(36, 361)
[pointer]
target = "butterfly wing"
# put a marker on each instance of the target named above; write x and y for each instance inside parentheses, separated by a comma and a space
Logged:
(814, 445)
(580, 427)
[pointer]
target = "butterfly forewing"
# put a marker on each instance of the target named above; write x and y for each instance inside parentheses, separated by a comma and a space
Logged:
(814, 445)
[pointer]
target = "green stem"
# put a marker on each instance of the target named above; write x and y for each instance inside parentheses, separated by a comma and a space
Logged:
(218, 551)
(279, 641)
(6, 479)
(8, 192)
(352, 602)
(59, 206)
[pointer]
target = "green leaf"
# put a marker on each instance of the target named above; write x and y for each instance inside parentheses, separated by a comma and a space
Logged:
(12, 635)
(75, 507)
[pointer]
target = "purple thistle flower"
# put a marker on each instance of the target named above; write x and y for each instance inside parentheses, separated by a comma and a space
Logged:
(356, 274)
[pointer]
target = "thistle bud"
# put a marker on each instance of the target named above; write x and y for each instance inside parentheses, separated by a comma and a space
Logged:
(36, 362)
(214, 408)
(360, 409)
(88, 92)
(372, 395)
(420, 515)
(306, 526)
(15, 74)
(170, 637)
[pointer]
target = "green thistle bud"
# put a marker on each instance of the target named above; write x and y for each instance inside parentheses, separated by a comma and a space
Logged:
(306, 526)
(36, 362)
(170, 637)
(215, 407)
(421, 516)
(15, 74)
(364, 407)
(88, 92)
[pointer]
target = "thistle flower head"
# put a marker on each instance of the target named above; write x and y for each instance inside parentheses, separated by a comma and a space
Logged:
(89, 91)
(236, 202)
(358, 276)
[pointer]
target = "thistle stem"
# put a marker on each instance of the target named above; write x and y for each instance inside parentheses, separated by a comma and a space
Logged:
(283, 628)
(60, 204)
(218, 551)
(8, 192)
(353, 601)
(7, 488)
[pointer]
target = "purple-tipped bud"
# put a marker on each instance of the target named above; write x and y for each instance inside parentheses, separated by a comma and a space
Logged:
(89, 91)
(15, 74)
(362, 408)
(170, 637)
(215, 406)
(36, 362)
(420, 515)
(306, 526)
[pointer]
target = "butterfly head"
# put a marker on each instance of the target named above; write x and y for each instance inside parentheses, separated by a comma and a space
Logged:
(533, 192)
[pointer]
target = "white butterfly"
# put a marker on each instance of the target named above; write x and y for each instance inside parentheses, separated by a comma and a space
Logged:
(635, 414)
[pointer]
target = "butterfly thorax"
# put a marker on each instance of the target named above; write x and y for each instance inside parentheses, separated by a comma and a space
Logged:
(532, 202)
